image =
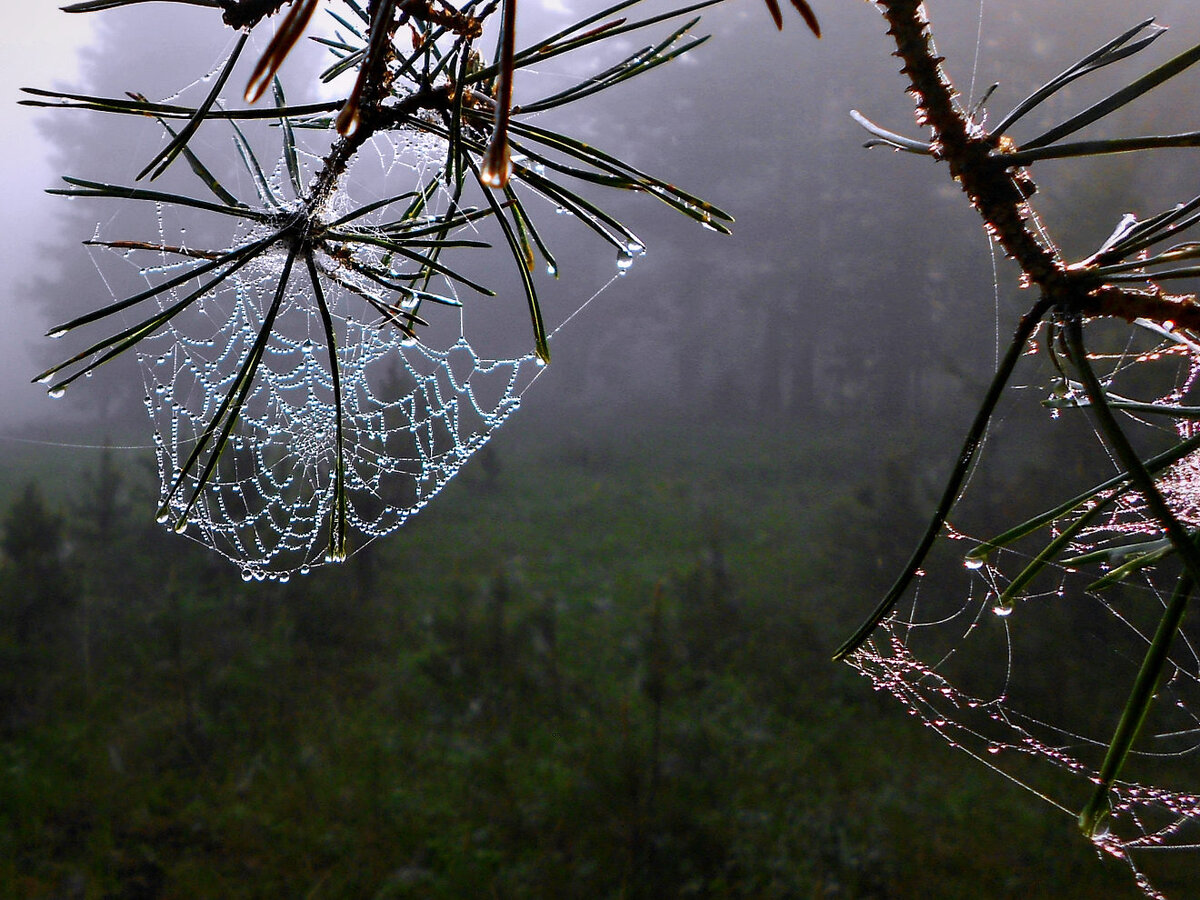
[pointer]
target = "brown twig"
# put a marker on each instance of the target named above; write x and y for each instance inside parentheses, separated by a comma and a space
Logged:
(1000, 191)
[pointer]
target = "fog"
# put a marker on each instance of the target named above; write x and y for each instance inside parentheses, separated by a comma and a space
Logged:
(824, 296)
(756, 121)
(40, 47)
(720, 470)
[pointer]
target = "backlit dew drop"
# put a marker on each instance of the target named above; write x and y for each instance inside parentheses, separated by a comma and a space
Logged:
(57, 334)
(1002, 611)
(973, 563)
(56, 392)
(624, 261)
(163, 517)
(181, 526)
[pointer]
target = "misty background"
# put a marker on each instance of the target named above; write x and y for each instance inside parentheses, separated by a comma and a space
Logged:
(630, 599)
(821, 298)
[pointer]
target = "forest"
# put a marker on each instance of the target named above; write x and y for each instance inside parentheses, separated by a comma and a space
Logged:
(598, 664)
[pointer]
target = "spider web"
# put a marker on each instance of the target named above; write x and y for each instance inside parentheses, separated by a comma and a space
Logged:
(1033, 687)
(413, 412)
(411, 416)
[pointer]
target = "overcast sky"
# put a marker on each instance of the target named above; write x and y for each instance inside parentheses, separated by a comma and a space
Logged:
(38, 48)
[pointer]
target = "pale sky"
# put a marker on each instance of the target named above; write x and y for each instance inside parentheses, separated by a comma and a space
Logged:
(38, 48)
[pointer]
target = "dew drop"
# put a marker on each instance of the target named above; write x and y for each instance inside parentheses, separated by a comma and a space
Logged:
(56, 392)
(181, 526)
(247, 575)
(973, 563)
(163, 517)
(57, 334)
(1002, 611)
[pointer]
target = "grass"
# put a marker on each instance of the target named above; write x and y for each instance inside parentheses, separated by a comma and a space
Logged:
(493, 703)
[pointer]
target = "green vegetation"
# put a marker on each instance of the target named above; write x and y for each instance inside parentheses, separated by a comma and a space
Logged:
(585, 673)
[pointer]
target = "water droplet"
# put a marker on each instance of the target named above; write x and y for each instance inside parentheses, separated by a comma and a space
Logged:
(56, 392)
(247, 575)
(624, 261)
(1002, 611)
(57, 334)
(551, 270)
(306, 347)
(164, 516)
(541, 363)
(181, 526)
(973, 563)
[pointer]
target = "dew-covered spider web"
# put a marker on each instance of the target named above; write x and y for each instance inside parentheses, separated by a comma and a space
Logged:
(412, 410)
(1030, 678)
